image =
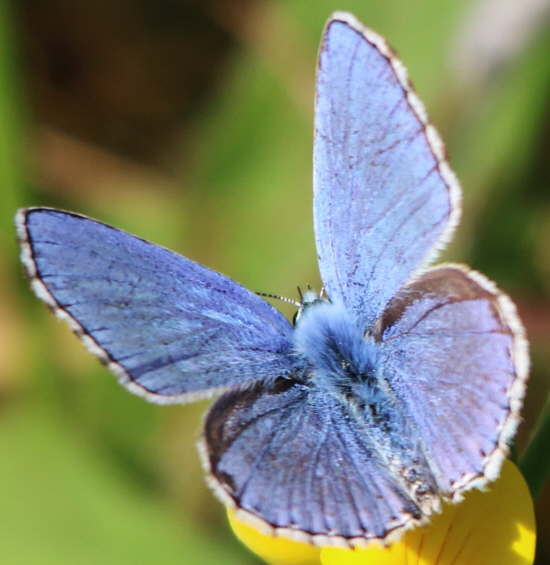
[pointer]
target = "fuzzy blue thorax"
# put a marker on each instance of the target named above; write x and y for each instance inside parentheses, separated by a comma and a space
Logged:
(341, 358)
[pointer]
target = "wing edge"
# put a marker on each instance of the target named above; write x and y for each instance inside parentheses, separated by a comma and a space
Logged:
(516, 393)
(393, 534)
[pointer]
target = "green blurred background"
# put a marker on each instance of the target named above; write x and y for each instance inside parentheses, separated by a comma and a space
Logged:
(189, 123)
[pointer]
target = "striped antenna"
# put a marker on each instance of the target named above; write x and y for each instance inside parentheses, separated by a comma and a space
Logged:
(288, 300)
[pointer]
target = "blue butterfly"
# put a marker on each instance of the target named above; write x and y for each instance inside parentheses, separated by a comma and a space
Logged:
(398, 390)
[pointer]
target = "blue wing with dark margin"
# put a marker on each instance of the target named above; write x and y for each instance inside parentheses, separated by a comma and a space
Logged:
(454, 353)
(169, 328)
(385, 198)
(296, 462)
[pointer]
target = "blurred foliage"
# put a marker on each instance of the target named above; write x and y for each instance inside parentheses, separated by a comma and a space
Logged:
(190, 124)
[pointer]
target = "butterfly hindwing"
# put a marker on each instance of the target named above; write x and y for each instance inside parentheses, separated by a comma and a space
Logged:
(169, 328)
(455, 355)
(300, 462)
(384, 196)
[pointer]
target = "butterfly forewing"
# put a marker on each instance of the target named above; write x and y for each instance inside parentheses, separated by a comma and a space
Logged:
(167, 326)
(383, 196)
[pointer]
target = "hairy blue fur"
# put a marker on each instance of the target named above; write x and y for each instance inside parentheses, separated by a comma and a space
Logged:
(342, 361)
(327, 336)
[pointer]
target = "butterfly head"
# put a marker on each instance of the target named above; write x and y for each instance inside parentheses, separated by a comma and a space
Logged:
(308, 299)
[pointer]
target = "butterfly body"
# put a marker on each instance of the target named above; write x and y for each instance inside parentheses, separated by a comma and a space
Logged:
(343, 362)
(396, 390)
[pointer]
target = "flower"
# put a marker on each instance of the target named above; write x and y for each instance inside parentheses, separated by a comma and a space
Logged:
(493, 527)
(276, 551)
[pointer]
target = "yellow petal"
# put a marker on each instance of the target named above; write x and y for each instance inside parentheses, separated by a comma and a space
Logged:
(496, 527)
(274, 550)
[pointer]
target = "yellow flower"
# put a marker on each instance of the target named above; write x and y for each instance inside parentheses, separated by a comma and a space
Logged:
(496, 527)
(276, 551)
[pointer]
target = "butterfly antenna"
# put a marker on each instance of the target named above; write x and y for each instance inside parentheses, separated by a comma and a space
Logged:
(284, 299)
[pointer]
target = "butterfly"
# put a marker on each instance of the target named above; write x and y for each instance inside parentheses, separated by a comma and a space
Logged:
(397, 389)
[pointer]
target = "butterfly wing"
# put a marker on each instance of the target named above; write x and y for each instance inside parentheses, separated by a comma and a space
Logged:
(169, 328)
(455, 355)
(295, 462)
(384, 196)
